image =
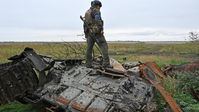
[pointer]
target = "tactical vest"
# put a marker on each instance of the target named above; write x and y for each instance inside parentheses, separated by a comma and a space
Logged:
(93, 25)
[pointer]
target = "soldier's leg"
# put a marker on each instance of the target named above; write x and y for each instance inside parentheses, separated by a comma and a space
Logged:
(90, 44)
(101, 41)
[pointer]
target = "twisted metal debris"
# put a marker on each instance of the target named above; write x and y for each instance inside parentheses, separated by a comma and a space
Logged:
(67, 85)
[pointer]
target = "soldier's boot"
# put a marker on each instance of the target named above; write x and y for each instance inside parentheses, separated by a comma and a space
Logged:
(89, 61)
(106, 64)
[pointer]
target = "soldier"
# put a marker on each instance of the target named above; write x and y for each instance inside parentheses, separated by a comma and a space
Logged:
(93, 29)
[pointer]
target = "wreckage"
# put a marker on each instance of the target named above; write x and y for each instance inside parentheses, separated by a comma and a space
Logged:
(68, 86)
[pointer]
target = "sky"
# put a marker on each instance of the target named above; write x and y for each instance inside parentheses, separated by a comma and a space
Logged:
(125, 20)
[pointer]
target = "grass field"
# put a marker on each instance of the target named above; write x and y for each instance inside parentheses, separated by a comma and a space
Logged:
(163, 54)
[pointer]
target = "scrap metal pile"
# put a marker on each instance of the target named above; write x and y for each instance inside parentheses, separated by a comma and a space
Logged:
(67, 85)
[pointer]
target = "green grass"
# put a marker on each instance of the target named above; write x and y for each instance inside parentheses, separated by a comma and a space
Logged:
(162, 54)
(17, 107)
(179, 86)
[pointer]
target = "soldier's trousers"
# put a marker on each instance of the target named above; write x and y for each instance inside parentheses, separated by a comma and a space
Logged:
(101, 42)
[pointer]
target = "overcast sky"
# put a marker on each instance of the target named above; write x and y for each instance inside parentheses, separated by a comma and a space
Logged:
(135, 20)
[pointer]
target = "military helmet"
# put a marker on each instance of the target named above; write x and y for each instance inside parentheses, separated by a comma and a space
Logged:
(96, 3)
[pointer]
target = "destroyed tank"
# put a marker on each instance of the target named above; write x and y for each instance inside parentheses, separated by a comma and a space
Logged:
(68, 86)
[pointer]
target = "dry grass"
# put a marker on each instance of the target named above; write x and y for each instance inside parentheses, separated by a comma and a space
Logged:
(161, 53)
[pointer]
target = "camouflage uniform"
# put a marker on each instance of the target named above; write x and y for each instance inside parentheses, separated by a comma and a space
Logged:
(94, 33)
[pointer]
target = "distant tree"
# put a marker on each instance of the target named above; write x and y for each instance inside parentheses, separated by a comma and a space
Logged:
(194, 36)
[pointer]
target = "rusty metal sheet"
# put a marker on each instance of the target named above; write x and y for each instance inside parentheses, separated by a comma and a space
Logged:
(62, 101)
(155, 68)
(152, 78)
(189, 67)
(82, 101)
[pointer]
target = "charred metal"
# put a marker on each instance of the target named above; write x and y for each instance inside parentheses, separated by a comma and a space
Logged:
(67, 85)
